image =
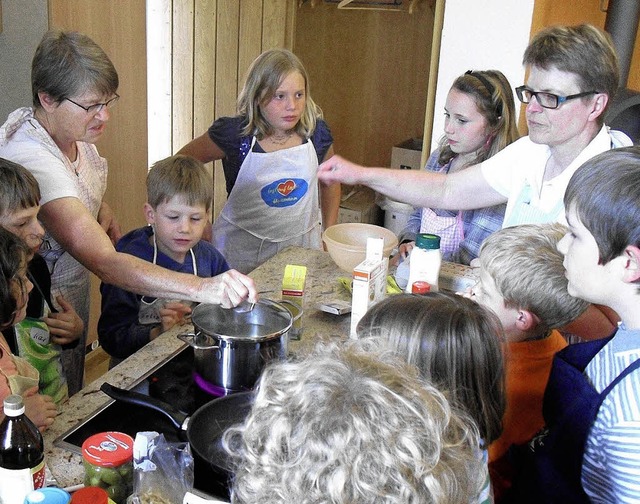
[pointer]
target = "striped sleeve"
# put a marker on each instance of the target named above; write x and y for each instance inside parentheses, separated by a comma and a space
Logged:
(611, 465)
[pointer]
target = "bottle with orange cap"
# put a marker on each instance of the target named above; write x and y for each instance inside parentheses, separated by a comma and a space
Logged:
(420, 287)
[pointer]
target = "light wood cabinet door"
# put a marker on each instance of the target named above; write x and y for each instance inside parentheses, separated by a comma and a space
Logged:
(120, 29)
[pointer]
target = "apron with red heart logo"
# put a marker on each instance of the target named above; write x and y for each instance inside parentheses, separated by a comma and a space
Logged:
(274, 204)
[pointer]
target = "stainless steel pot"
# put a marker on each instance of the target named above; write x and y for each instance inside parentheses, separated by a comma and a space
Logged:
(231, 346)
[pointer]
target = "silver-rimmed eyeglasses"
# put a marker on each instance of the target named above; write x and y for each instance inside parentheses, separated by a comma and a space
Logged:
(96, 107)
(547, 100)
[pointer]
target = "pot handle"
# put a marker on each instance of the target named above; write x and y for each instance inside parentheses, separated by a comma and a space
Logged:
(177, 417)
(190, 338)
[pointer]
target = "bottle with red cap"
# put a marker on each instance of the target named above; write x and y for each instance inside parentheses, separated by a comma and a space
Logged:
(420, 287)
(108, 463)
(21, 453)
(425, 261)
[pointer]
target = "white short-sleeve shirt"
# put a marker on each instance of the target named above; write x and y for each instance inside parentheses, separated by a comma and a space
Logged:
(523, 163)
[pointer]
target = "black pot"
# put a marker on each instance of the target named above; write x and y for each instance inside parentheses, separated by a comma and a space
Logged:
(203, 430)
(232, 346)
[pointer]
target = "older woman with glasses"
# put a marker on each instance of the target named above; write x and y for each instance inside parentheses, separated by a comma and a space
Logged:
(74, 84)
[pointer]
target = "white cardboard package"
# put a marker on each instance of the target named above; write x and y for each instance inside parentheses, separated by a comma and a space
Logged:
(369, 281)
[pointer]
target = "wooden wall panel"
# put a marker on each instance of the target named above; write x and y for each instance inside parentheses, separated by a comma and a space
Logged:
(274, 24)
(159, 74)
(226, 79)
(204, 69)
(249, 37)
(368, 71)
(182, 72)
(227, 60)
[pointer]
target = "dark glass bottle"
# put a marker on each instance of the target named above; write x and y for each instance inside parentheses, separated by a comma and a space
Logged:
(21, 453)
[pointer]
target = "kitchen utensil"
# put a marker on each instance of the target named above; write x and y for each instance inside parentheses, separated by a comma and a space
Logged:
(203, 430)
(347, 242)
(232, 346)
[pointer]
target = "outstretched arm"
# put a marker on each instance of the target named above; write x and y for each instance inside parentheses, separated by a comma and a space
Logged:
(69, 222)
(465, 190)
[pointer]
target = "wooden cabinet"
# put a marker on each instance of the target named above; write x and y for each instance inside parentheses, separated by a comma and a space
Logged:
(369, 71)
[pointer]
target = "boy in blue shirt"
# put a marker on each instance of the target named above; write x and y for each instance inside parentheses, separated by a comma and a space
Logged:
(179, 195)
(590, 450)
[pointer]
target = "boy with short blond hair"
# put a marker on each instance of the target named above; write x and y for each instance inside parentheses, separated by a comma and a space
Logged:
(521, 278)
(179, 196)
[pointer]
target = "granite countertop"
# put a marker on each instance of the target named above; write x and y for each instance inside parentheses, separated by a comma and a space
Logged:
(321, 286)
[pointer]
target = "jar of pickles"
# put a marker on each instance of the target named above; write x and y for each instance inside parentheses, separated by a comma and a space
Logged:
(108, 463)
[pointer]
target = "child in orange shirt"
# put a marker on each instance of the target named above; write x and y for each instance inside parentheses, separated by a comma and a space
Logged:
(17, 376)
(522, 280)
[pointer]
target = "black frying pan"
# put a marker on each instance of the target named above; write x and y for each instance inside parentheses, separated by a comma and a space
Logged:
(203, 429)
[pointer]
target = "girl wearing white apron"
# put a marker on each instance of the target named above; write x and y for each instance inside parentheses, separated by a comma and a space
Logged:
(270, 154)
(274, 204)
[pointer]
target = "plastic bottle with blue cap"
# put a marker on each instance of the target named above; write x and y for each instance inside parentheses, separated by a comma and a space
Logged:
(48, 495)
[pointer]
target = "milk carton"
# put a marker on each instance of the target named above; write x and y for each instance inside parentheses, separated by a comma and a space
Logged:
(369, 281)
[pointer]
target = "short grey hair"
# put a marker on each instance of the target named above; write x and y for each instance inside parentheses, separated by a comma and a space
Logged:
(66, 64)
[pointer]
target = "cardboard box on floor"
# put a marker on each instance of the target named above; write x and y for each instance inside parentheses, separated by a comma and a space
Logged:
(360, 206)
(407, 155)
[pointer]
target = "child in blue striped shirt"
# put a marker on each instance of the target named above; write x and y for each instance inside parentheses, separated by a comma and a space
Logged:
(590, 451)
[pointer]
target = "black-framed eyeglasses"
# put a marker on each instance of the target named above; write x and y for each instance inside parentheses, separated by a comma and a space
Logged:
(547, 100)
(96, 107)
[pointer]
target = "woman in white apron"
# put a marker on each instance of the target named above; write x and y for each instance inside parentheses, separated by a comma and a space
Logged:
(270, 153)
